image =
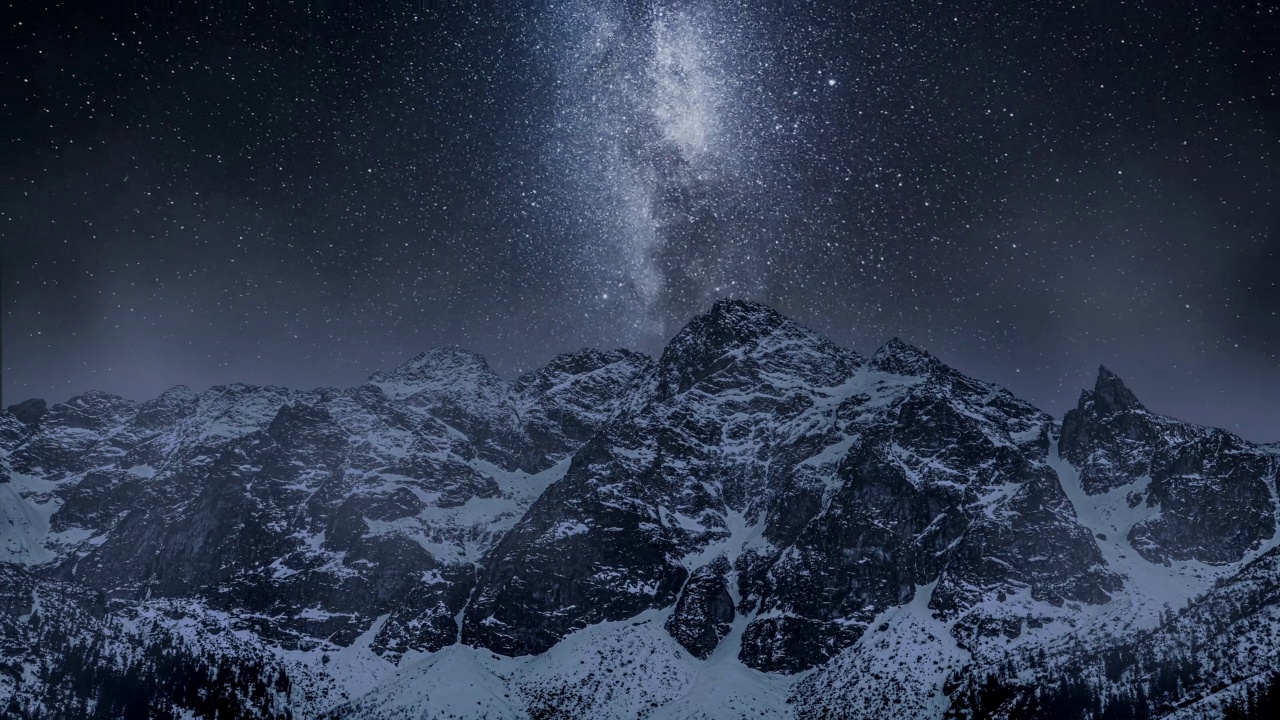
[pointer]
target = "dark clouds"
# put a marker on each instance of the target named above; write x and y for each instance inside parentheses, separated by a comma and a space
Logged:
(305, 197)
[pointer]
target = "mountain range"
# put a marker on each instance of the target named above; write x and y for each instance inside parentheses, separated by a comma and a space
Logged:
(756, 523)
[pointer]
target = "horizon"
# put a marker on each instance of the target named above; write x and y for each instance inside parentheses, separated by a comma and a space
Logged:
(1135, 383)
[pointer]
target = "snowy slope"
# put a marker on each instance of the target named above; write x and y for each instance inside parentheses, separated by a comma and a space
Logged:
(23, 527)
(623, 669)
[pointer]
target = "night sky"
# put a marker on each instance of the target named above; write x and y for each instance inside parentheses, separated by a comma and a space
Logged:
(304, 194)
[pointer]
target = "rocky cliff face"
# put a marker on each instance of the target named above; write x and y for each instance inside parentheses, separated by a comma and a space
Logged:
(836, 486)
(685, 460)
(939, 480)
(606, 535)
(1216, 493)
(321, 510)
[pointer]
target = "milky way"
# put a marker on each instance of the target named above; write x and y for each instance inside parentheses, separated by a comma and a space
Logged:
(657, 135)
(303, 195)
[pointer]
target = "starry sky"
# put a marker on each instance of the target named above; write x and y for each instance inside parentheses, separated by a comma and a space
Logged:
(303, 193)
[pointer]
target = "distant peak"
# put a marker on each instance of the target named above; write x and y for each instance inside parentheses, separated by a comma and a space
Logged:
(743, 311)
(1110, 394)
(902, 358)
(95, 402)
(730, 323)
(445, 359)
(437, 367)
(738, 330)
(29, 412)
(95, 396)
(586, 360)
(448, 354)
(897, 346)
(177, 392)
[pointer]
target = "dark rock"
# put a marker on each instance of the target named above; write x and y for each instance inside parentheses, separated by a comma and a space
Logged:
(704, 612)
(1211, 487)
(29, 412)
(604, 542)
(1214, 501)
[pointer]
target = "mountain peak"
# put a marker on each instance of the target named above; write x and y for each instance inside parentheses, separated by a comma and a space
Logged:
(902, 358)
(92, 410)
(737, 331)
(178, 390)
(162, 409)
(1110, 394)
(29, 412)
(448, 363)
(710, 341)
(730, 323)
(445, 357)
(572, 364)
(587, 359)
(742, 310)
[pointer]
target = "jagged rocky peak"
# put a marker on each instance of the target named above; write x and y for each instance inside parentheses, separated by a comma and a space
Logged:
(1110, 394)
(436, 369)
(94, 410)
(564, 404)
(443, 360)
(710, 341)
(176, 396)
(732, 322)
(740, 330)
(29, 412)
(571, 367)
(457, 387)
(59, 440)
(226, 411)
(1208, 493)
(902, 358)
(590, 379)
(1108, 417)
(691, 445)
(176, 402)
(19, 421)
(859, 485)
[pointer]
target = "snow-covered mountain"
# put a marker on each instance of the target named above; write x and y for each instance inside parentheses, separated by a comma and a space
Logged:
(757, 523)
